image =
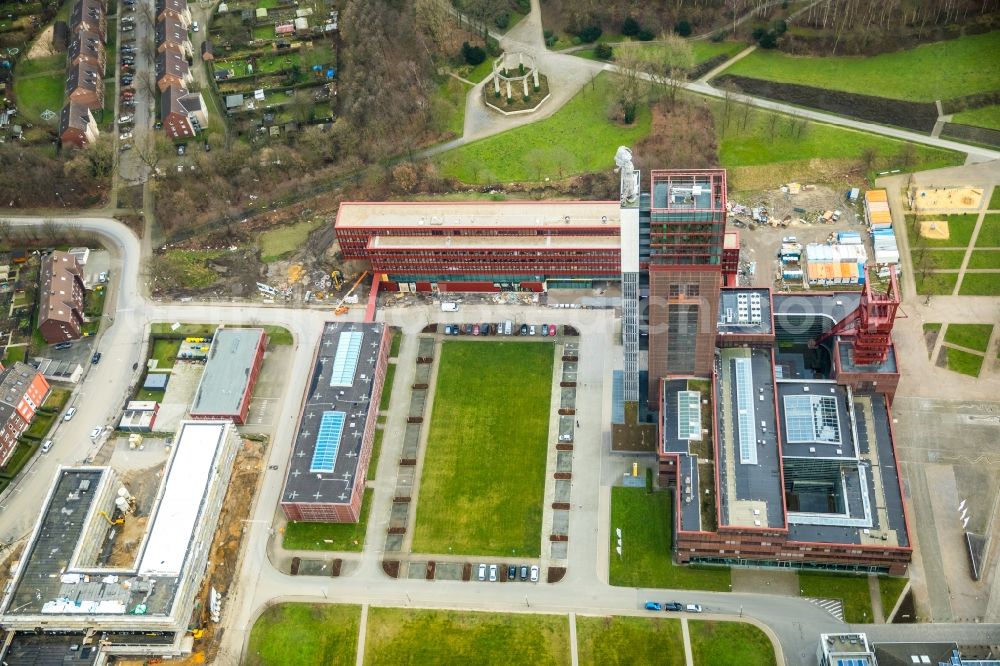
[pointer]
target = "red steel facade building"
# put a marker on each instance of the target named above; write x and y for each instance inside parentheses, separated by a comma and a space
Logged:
(22, 391)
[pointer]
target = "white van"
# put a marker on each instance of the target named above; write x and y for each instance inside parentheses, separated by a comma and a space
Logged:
(507, 325)
(449, 307)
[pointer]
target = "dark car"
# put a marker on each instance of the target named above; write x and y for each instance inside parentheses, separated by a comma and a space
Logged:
(96, 358)
(468, 329)
(454, 329)
(673, 606)
(524, 572)
(484, 328)
(64, 345)
(512, 572)
(524, 329)
(545, 330)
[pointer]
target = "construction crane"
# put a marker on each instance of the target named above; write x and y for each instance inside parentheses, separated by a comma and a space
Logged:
(341, 309)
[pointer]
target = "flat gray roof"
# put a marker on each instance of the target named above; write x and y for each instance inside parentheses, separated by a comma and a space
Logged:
(337, 402)
(226, 378)
(731, 312)
(486, 214)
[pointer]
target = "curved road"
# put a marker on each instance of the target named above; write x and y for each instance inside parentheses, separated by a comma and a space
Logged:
(796, 623)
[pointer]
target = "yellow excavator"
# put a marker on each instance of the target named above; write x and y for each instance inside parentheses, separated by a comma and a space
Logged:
(117, 521)
(338, 279)
(342, 309)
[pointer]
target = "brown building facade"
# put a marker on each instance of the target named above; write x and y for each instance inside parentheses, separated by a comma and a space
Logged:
(60, 307)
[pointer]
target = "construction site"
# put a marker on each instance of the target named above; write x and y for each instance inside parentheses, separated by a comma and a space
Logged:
(117, 564)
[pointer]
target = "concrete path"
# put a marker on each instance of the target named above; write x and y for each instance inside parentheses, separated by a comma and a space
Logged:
(574, 658)
(712, 73)
(972, 245)
(359, 658)
(688, 655)
(878, 614)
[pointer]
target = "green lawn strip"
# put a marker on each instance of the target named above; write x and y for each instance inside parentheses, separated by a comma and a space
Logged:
(646, 523)
(706, 50)
(985, 259)
(889, 588)
(986, 116)
(980, 284)
(946, 259)
(148, 394)
(451, 94)
(41, 93)
(960, 228)
(931, 327)
(397, 339)
(941, 70)
(970, 336)
(403, 636)
(483, 479)
(963, 362)
(756, 144)
(726, 643)
(576, 139)
(995, 199)
(629, 640)
(165, 352)
(477, 73)
(376, 452)
(23, 451)
(56, 400)
(935, 284)
(296, 634)
(110, 47)
(277, 335)
(390, 375)
(989, 231)
(852, 590)
(341, 536)
(282, 241)
(15, 354)
(93, 301)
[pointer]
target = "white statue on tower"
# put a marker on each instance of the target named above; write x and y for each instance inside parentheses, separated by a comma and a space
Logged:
(623, 165)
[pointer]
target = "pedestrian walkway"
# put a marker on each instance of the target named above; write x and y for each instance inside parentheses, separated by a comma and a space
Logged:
(359, 658)
(688, 655)
(878, 613)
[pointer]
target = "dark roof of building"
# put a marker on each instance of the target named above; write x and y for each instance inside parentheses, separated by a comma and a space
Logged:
(170, 30)
(86, 76)
(14, 381)
(845, 349)
(833, 306)
(60, 274)
(179, 6)
(226, 378)
(207, 50)
(171, 62)
(332, 426)
(901, 654)
(27, 649)
(89, 11)
(86, 44)
(75, 115)
(738, 314)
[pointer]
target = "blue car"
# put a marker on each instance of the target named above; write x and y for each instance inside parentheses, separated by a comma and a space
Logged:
(654, 606)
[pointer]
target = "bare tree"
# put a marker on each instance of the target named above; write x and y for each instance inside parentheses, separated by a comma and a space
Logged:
(633, 82)
(671, 61)
(53, 230)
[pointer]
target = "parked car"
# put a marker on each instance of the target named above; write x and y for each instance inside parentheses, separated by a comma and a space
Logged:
(531, 330)
(194, 27)
(128, 28)
(484, 329)
(654, 606)
(125, 135)
(447, 329)
(493, 573)
(482, 572)
(552, 330)
(524, 329)
(534, 573)
(70, 413)
(454, 329)
(127, 118)
(96, 358)
(673, 606)
(125, 146)
(524, 572)
(512, 572)
(95, 433)
(46, 446)
(545, 330)
(180, 149)
(475, 329)
(63, 345)
(126, 80)
(693, 608)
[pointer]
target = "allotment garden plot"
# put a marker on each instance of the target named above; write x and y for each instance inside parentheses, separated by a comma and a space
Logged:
(483, 476)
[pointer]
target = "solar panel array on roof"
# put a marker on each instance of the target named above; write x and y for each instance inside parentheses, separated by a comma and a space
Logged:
(812, 418)
(345, 362)
(327, 441)
(745, 412)
(689, 415)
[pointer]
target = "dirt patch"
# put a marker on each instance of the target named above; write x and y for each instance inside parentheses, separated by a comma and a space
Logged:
(682, 136)
(555, 574)
(42, 47)
(129, 536)
(942, 358)
(948, 198)
(930, 338)
(911, 115)
(935, 229)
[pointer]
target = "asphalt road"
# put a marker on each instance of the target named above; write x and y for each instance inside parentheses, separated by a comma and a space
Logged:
(797, 623)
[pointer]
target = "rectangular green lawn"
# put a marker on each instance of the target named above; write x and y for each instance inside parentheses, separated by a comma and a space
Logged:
(646, 522)
(960, 228)
(946, 259)
(852, 590)
(980, 284)
(402, 636)
(41, 93)
(330, 536)
(989, 231)
(941, 70)
(970, 336)
(483, 478)
(985, 259)
(629, 640)
(963, 362)
(296, 634)
(390, 376)
(889, 589)
(936, 284)
(995, 199)
(728, 643)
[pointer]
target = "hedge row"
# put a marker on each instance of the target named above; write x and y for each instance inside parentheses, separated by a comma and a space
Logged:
(969, 133)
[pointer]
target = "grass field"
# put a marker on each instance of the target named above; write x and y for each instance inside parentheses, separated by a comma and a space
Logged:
(477, 73)
(330, 536)
(702, 51)
(400, 636)
(397, 339)
(757, 145)
(390, 375)
(942, 70)
(295, 634)
(960, 228)
(980, 284)
(165, 352)
(629, 640)
(889, 589)
(576, 139)
(945, 259)
(280, 242)
(986, 116)
(970, 336)
(484, 472)
(726, 643)
(852, 590)
(43, 92)
(15, 354)
(989, 231)
(963, 362)
(936, 284)
(450, 105)
(985, 259)
(645, 521)
(995, 199)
